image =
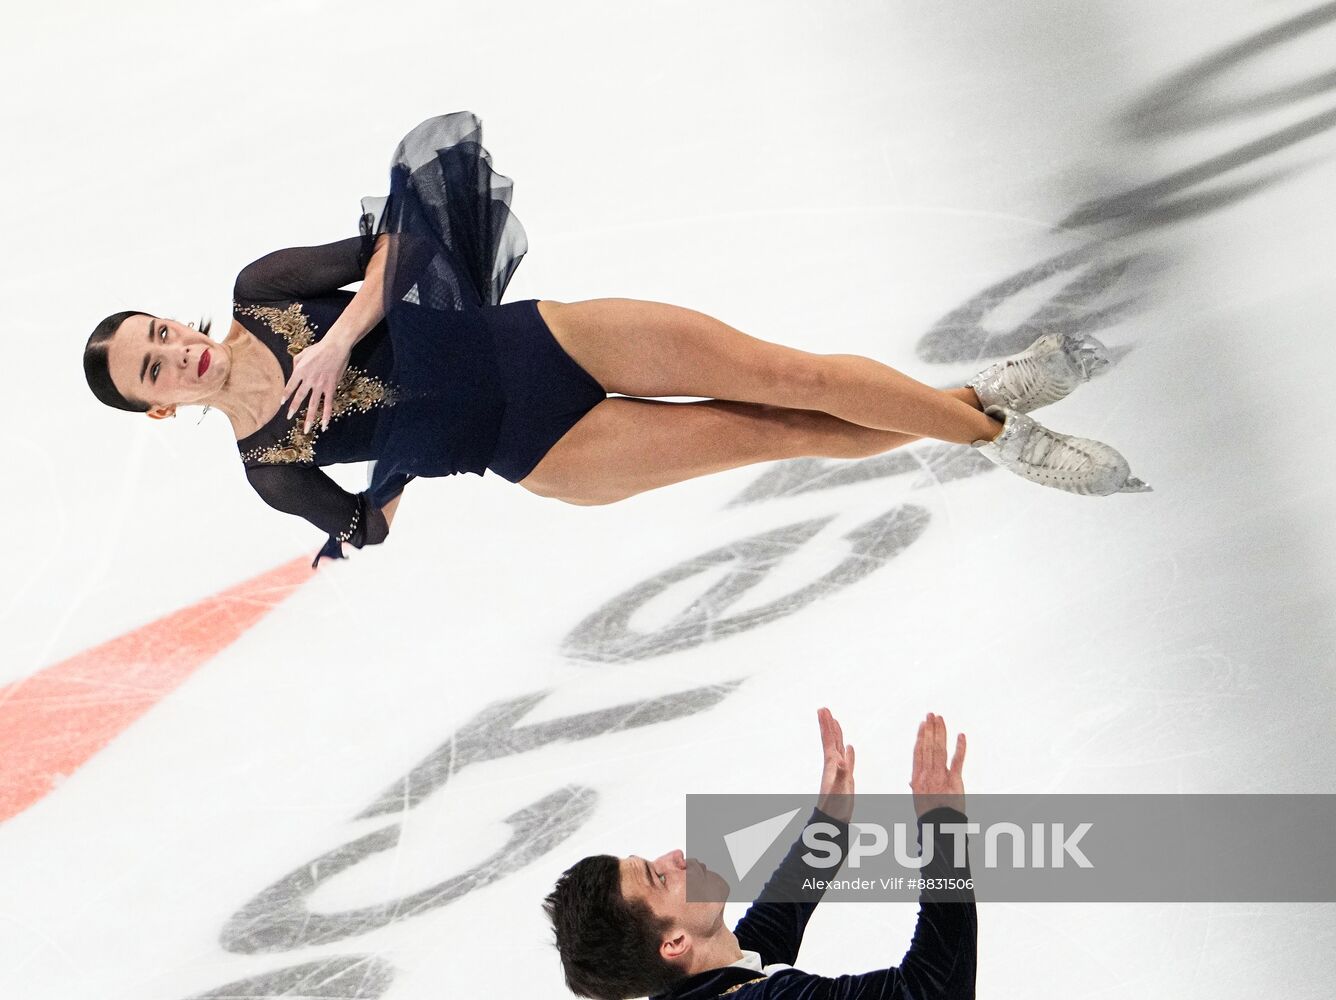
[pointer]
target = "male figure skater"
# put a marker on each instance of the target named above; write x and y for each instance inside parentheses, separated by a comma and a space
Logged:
(624, 927)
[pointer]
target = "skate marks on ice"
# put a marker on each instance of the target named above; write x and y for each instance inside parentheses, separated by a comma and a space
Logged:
(1197, 98)
(607, 636)
(1080, 306)
(1182, 103)
(1093, 299)
(278, 919)
(344, 977)
(936, 463)
(495, 732)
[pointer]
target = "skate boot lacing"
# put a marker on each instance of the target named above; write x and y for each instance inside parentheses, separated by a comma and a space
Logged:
(1047, 371)
(1072, 464)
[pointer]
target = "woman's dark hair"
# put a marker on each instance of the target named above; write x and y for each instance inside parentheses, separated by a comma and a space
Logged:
(609, 946)
(97, 369)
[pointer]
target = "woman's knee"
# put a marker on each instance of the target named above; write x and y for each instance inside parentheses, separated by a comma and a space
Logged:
(801, 380)
(821, 435)
(767, 432)
(763, 432)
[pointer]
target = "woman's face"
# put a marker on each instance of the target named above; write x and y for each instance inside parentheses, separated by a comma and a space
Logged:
(159, 362)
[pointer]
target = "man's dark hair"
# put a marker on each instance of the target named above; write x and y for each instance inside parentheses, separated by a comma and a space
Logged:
(609, 945)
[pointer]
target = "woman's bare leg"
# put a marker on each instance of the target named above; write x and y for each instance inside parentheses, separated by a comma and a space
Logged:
(627, 446)
(652, 349)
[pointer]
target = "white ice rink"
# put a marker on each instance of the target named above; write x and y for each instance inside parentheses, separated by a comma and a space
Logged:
(223, 776)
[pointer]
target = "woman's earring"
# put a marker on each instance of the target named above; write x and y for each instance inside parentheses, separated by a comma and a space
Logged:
(203, 415)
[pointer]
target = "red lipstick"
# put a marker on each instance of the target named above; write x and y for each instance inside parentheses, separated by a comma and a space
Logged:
(203, 364)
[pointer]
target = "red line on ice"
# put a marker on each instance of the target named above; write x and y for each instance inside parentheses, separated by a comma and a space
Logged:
(52, 722)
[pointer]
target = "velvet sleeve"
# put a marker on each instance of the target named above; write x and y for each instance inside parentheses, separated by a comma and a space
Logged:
(308, 492)
(940, 962)
(773, 925)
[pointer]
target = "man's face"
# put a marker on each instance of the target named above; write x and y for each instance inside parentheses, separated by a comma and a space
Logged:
(661, 884)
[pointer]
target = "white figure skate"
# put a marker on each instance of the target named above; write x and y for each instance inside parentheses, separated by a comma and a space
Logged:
(1076, 465)
(1043, 373)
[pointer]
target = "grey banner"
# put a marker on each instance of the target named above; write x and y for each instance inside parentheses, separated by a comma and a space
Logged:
(1031, 848)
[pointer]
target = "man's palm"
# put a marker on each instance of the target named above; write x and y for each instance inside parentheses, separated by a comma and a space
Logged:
(837, 769)
(933, 782)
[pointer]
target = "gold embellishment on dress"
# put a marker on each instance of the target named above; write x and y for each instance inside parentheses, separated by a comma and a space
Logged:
(291, 323)
(356, 389)
(297, 447)
(362, 392)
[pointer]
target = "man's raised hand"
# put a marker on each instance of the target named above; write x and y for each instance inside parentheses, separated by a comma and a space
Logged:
(837, 769)
(933, 783)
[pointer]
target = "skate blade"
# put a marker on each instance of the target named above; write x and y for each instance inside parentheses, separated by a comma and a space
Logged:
(1088, 354)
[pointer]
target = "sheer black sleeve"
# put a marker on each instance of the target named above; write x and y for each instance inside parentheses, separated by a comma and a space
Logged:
(305, 272)
(305, 490)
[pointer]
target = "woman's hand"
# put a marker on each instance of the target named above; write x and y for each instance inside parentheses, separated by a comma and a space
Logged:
(837, 769)
(315, 375)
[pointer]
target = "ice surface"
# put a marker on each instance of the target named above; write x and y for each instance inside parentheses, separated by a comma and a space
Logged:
(367, 789)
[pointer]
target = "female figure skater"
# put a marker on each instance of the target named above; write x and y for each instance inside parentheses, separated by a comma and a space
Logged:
(424, 373)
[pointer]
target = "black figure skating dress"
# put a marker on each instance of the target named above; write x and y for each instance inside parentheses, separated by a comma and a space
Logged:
(449, 381)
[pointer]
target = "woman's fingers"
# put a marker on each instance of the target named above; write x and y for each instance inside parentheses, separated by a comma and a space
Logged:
(321, 398)
(294, 384)
(316, 372)
(316, 396)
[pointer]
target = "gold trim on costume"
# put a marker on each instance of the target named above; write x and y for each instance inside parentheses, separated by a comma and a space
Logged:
(734, 989)
(356, 391)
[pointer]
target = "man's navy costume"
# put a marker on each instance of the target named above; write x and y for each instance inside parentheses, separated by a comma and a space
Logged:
(939, 964)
